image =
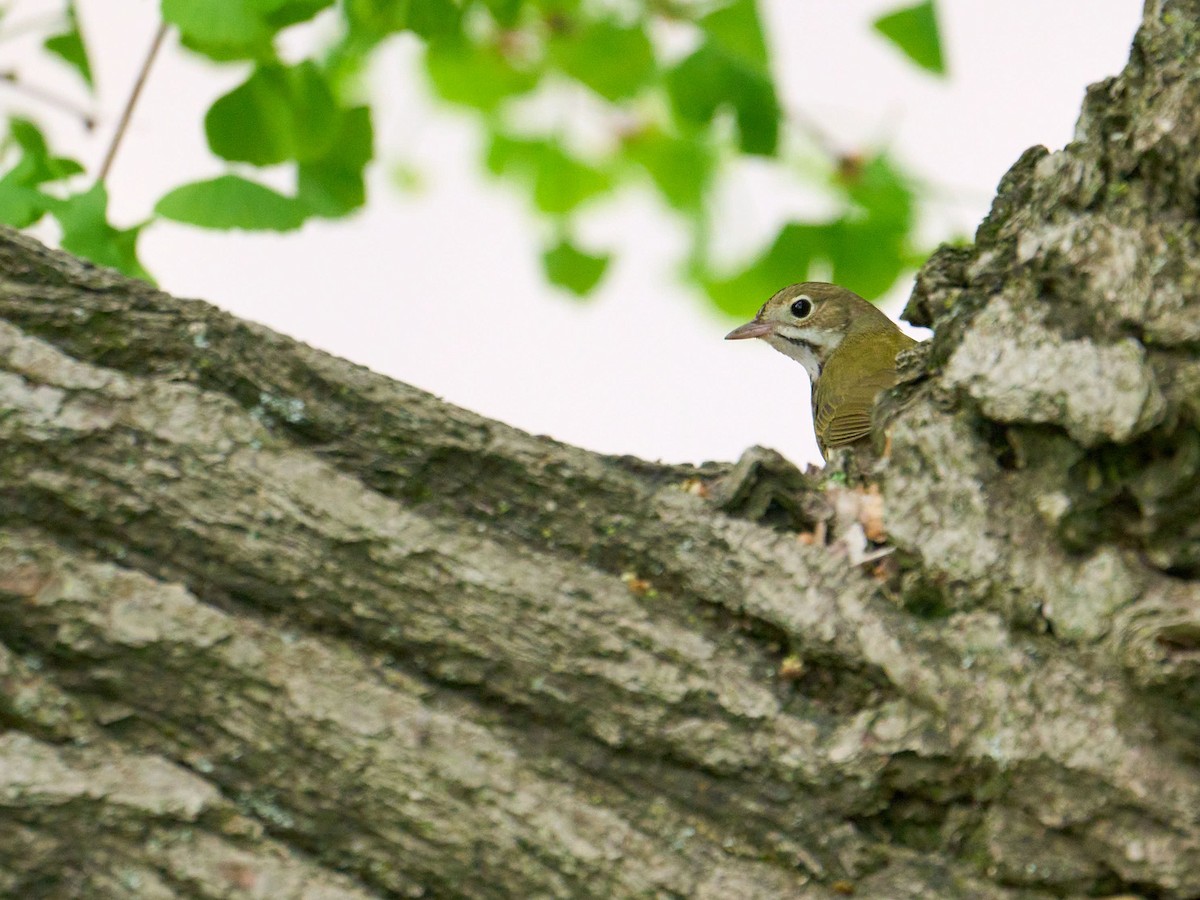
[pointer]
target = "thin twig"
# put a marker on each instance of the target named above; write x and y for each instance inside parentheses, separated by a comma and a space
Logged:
(13, 80)
(127, 113)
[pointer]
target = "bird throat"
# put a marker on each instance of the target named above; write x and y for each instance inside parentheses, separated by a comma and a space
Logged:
(812, 350)
(805, 354)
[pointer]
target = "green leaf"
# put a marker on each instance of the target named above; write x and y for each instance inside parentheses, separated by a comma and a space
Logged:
(569, 267)
(613, 61)
(560, 182)
(236, 29)
(278, 114)
(86, 232)
(70, 48)
(373, 20)
(433, 19)
(20, 205)
(222, 29)
(230, 201)
(513, 157)
(869, 246)
(334, 186)
(736, 29)
(699, 85)
(281, 14)
(478, 76)
(562, 186)
(681, 168)
(505, 12)
(914, 30)
(787, 261)
(867, 256)
(558, 13)
(36, 165)
(711, 79)
(880, 190)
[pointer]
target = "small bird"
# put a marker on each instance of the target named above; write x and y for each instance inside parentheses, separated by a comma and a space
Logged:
(847, 346)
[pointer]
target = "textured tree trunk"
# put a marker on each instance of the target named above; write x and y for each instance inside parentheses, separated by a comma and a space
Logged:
(274, 626)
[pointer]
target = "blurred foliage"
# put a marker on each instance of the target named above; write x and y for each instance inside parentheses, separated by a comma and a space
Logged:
(866, 247)
(68, 46)
(914, 30)
(569, 267)
(675, 122)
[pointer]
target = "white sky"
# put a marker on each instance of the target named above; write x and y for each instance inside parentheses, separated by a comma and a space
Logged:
(442, 289)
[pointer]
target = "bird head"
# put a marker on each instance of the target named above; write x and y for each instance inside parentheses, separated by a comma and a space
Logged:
(808, 321)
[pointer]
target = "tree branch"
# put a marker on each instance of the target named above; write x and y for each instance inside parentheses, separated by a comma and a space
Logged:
(270, 622)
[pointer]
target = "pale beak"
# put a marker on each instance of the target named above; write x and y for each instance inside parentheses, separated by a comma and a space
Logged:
(755, 329)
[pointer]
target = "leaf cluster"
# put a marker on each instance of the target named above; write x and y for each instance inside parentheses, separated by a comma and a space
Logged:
(675, 122)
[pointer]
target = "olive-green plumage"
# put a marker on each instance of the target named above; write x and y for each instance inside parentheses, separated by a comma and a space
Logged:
(845, 343)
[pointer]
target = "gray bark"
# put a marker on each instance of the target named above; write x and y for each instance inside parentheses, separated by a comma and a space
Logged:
(274, 626)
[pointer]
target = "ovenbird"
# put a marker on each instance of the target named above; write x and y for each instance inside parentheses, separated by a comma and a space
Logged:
(847, 346)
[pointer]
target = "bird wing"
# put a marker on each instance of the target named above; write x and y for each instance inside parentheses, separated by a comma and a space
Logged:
(842, 415)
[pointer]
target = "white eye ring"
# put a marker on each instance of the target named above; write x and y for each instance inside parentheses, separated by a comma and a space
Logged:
(802, 307)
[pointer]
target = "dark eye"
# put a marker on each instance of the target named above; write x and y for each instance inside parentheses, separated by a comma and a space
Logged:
(801, 307)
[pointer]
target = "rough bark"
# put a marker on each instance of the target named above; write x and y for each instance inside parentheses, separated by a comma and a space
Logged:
(274, 626)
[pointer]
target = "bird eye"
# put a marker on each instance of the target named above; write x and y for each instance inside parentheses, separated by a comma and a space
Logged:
(801, 307)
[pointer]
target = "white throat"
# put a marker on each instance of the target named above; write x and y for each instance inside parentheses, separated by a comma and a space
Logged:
(804, 353)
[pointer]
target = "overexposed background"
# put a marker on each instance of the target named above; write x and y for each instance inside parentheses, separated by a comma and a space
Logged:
(442, 287)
